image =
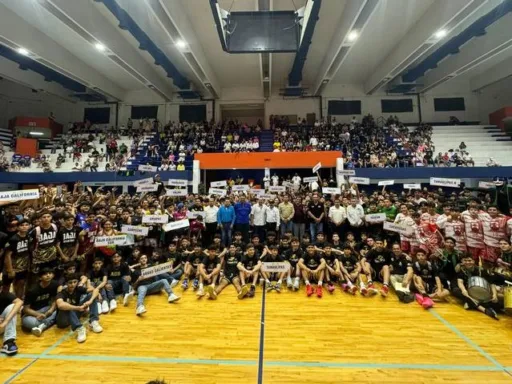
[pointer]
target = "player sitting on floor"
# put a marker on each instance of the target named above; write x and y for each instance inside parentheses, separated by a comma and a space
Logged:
(427, 281)
(292, 257)
(312, 268)
(273, 256)
(351, 271)
(376, 265)
(249, 267)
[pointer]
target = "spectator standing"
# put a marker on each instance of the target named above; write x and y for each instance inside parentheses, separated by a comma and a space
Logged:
(258, 218)
(272, 217)
(286, 213)
(355, 216)
(337, 216)
(225, 219)
(243, 213)
(316, 214)
(299, 219)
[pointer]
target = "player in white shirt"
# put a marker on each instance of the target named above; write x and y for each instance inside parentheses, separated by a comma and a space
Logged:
(474, 233)
(495, 229)
(404, 218)
(455, 228)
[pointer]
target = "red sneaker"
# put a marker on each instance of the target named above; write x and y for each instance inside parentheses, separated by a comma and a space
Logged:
(319, 291)
(330, 288)
(419, 298)
(372, 290)
(344, 287)
(427, 303)
(353, 290)
(364, 291)
(384, 290)
(309, 290)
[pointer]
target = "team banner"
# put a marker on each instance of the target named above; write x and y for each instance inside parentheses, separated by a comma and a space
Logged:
(386, 182)
(441, 182)
(217, 184)
(106, 241)
(486, 185)
(174, 225)
(177, 182)
(359, 180)
(240, 188)
(317, 167)
(156, 270)
(332, 191)
(277, 188)
(347, 172)
(147, 188)
(193, 214)
(311, 179)
(375, 217)
(135, 230)
(257, 192)
(398, 228)
(176, 192)
(275, 267)
(412, 186)
(217, 191)
(267, 196)
(155, 219)
(24, 194)
(140, 182)
(147, 168)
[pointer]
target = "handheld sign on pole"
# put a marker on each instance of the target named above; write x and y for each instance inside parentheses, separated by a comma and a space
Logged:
(267, 196)
(317, 167)
(275, 267)
(412, 186)
(375, 217)
(443, 182)
(346, 172)
(311, 179)
(398, 228)
(177, 183)
(218, 184)
(147, 168)
(386, 182)
(332, 191)
(257, 192)
(240, 188)
(156, 270)
(359, 180)
(135, 230)
(174, 225)
(147, 188)
(25, 194)
(486, 185)
(140, 182)
(277, 188)
(176, 192)
(155, 219)
(193, 214)
(217, 191)
(105, 241)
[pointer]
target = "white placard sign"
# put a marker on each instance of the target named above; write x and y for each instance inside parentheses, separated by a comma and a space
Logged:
(240, 188)
(24, 194)
(217, 184)
(443, 182)
(399, 228)
(359, 180)
(257, 192)
(346, 172)
(311, 179)
(277, 188)
(268, 196)
(486, 185)
(375, 217)
(287, 184)
(193, 214)
(332, 191)
(106, 241)
(275, 267)
(140, 182)
(156, 270)
(412, 186)
(135, 230)
(317, 167)
(174, 225)
(177, 182)
(217, 191)
(176, 192)
(386, 182)
(155, 219)
(147, 168)
(147, 188)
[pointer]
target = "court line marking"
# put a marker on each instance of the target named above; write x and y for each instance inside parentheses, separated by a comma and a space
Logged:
(470, 342)
(304, 364)
(10, 379)
(262, 337)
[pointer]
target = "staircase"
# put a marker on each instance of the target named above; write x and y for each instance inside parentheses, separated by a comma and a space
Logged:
(5, 137)
(267, 141)
(482, 142)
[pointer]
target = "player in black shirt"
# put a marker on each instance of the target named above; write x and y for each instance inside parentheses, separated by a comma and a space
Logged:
(67, 240)
(40, 309)
(176, 260)
(273, 256)
(351, 271)
(98, 279)
(249, 267)
(376, 265)
(312, 267)
(192, 264)
(427, 281)
(45, 237)
(209, 270)
(17, 259)
(332, 267)
(118, 280)
(292, 256)
(10, 305)
(401, 273)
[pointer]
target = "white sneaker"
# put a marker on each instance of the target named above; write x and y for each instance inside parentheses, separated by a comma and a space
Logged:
(81, 334)
(200, 292)
(174, 283)
(38, 331)
(140, 310)
(96, 327)
(127, 297)
(104, 307)
(296, 283)
(100, 308)
(172, 298)
(113, 305)
(289, 282)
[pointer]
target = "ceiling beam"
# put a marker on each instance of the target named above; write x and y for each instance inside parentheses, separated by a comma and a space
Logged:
(493, 75)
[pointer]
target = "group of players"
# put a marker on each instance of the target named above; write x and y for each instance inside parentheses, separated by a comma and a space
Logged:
(52, 269)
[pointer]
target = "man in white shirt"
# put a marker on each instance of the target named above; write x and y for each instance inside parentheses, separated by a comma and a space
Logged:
(296, 180)
(258, 218)
(272, 217)
(275, 180)
(355, 216)
(313, 141)
(266, 182)
(337, 217)
(210, 220)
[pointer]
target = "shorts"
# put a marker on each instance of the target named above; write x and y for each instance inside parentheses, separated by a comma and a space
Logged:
(17, 277)
(230, 277)
(477, 254)
(491, 253)
(405, 245)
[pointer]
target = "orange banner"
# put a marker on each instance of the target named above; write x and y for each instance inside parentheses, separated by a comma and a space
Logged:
(26, 147)
(274, 160)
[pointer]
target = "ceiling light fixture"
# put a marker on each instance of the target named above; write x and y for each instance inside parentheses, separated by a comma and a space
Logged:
(36, 133)
(352, 36)
(100, 47)
(441, 33)
(181, 44)
(23, 51)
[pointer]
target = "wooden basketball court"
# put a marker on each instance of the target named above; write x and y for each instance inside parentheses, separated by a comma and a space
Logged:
(336, 339)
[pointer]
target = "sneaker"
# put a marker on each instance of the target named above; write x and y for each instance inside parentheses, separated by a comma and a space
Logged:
(270, 287)
(419, 299)
(427, 303)
(296, 284)
(173, 298)
(252, 291)
(384, 291)
(344, 287)
(401, 296)
(319, 292)
(408, 298)
(491, 313)
(372, 290)
(81, 334)
(466, 306)
(104, 307)
(184, 285)
(141, 309)
(243, 292)
(363, 291)
(127, 297)
(353, 290)
(309, 290)
(330, 288)
(96, 327)
(277, 287)
(174, 283)
(209, 292)
(195, 284)
(9, 348)
(200, 292)
(38, 331)
(113, 305)
(289, 283)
